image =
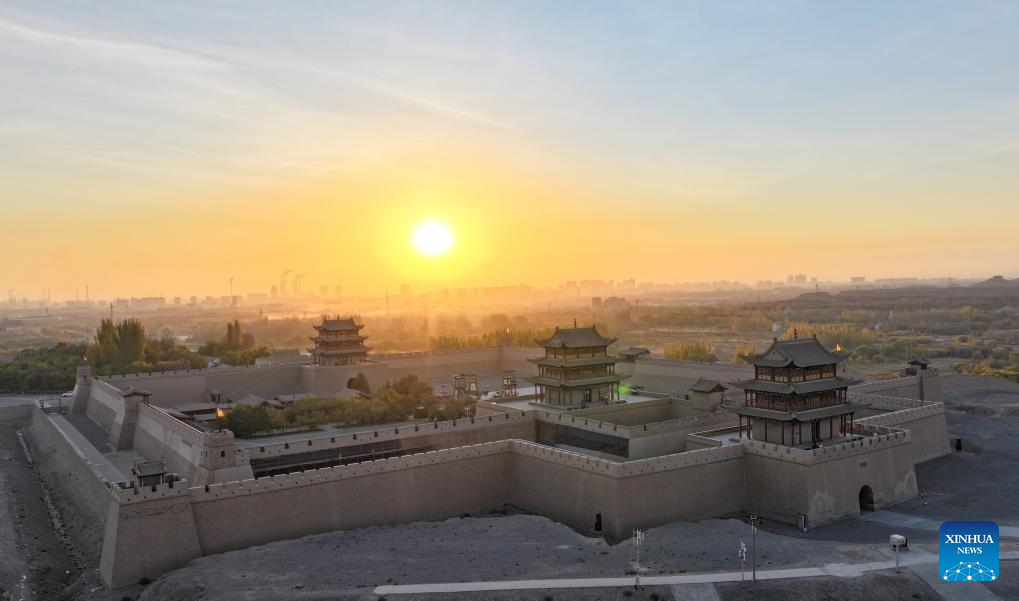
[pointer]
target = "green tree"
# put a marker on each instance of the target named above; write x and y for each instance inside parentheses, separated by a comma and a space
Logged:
(130, 341)
(246, 420)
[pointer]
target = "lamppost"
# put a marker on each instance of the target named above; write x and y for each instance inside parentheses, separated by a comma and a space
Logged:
(753, 545)
(638, 540)
(742, 561)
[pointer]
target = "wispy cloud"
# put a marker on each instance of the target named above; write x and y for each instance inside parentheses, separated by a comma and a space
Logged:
(104, 47)
(243, 114)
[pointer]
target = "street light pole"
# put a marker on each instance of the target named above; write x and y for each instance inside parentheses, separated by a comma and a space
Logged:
(638, 540)
(753, 546)
(742, 561)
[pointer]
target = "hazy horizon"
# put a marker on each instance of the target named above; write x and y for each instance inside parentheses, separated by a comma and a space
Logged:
(148, 154)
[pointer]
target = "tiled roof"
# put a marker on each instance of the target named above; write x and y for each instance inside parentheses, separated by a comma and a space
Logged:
(796, 387)
(802, 352)
(575, 338)
(703, 385)
(149, 468)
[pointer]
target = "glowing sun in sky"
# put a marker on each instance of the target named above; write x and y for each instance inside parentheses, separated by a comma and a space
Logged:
(432, 239)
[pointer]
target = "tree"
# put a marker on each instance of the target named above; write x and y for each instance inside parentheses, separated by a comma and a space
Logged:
(742, 349)
(236, 348)
(106, 350)
(246, 420)
(690, 350)
(130, 341)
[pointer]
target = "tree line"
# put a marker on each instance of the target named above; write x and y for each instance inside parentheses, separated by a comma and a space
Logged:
(121, 347)
(396, 401)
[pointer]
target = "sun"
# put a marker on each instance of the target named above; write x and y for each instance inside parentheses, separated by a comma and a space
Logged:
(432, 239)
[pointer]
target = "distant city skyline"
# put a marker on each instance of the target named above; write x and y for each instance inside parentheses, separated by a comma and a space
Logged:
(163, 149)
(586, 289)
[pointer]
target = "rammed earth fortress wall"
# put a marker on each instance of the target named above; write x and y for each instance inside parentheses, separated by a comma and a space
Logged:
(81, 480)
(492, 460)
(568, 486)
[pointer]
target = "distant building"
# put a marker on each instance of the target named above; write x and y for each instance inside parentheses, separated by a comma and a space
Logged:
(596, 302)
(706, 395)
(630, 355)
(615, 303)
(796, 383)
(857, 279)
(576, 370)
(339, 342)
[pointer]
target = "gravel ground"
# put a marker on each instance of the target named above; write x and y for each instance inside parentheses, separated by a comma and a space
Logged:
(982, 481)
(41, 565)
(487, 548)
(878, 586)
(1007, 585)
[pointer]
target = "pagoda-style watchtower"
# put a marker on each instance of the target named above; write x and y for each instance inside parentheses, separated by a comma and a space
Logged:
(339, 342)
(796, 383)
(576, 370)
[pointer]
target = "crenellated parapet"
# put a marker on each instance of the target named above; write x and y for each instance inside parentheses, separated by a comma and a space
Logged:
(345, 472)
(872, 438)
(141, 494)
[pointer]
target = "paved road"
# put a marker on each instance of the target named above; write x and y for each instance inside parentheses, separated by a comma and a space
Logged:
(916, 558)
(695, 592)
(11, 400)
(891, 518)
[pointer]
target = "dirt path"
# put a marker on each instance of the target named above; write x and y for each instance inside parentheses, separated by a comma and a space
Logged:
(37, 562)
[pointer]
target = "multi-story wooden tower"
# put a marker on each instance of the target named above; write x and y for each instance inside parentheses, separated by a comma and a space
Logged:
(798, 396)
(339, 342)
(576, 370)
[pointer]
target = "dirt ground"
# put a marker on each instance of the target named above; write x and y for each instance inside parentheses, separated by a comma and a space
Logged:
(879, 586)
(36, 562)
(482, 548)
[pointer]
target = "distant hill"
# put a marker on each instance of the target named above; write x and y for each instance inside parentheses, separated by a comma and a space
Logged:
(997, 282)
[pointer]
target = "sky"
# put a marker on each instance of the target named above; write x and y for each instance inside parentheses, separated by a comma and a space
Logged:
(153, 148)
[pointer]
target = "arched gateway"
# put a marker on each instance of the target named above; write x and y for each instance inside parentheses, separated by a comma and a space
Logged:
(866, 499)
